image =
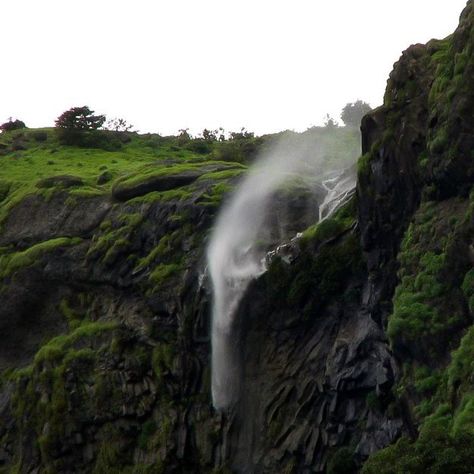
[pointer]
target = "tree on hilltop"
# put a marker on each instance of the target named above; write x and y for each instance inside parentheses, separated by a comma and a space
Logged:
(80, 118)
(79, 126)
(352, 113)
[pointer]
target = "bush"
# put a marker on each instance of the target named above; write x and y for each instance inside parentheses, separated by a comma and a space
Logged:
(39, 136)
(199, 145)
(90, 139)
(12, 125)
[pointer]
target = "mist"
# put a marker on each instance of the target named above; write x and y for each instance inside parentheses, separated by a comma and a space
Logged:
(235, 254)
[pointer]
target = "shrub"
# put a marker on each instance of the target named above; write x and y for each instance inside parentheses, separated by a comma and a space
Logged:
(12, 125)
(39, 136)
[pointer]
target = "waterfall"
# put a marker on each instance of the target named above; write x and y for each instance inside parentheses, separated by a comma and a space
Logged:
(235, 258)
(340, 187)
(233, 261)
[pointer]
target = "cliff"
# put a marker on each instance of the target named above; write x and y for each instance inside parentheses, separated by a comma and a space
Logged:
(361, 345)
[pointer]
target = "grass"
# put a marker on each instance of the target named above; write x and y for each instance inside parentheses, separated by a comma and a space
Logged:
(22, 170)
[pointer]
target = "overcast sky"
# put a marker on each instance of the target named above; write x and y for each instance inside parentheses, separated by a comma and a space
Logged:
(268, 65)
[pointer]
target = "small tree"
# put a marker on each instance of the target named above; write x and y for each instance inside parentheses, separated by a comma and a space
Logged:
(79, 127)
(118, 125)
(80, 118)
(12, 125)
(352, 113)
(209, 135)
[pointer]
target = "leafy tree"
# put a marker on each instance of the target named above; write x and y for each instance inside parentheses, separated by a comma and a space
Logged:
(79, 127)
(80, 118)
(352, 113)
(12, 125)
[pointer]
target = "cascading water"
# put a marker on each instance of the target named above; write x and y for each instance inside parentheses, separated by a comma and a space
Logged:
(235, 258)
(340, 188)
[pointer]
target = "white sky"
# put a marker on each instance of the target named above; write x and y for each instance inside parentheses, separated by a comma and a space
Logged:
(163, 65)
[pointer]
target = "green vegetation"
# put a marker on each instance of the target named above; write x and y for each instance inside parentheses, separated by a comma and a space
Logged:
(330, 228)
(12, 262)
(468, 289)
(352, 113)
(58, 347)
(22, 170)
(428, 320)
(312, 281)
(436, 452)
(12, 125)
(329, 255)
(424, 314)
(363, 165)
(162, 272)
(118, 373)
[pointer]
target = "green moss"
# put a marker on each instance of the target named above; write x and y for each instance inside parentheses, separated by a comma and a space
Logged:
(115, 237)
(12, 262)
(224, 174)
(363, 165)
(468, 289)
(162, 273)
(423, 313)
(438, 143)
(150, 172)
(165, 246)
(119, 246)
(324, 230)
(329, 228)
(71, 316)
(110, 458)
(56, 347)
(216, 194)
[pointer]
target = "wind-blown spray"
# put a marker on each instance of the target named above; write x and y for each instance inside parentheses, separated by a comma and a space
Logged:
(234, 258)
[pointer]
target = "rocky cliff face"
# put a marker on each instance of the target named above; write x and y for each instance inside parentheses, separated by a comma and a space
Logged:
(363, 339)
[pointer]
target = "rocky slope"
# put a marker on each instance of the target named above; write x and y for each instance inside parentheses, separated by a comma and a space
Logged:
(362, 342)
